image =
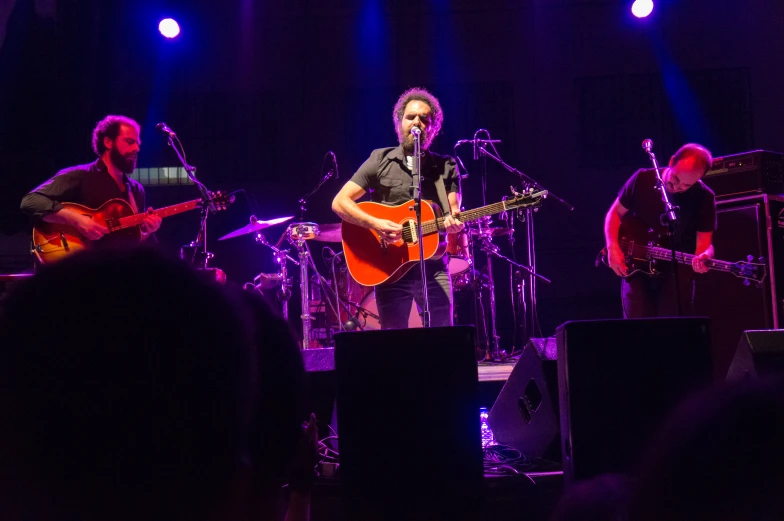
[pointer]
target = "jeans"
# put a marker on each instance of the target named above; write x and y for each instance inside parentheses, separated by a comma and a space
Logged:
(394, 299)
(647, 297)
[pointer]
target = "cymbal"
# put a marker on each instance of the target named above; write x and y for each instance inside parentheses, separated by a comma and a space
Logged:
(491, 232)
(329, 233)
(255, 226)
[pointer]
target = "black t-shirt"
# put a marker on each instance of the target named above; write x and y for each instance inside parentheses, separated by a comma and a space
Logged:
(386, 176)
(90, 185)
(697, 207)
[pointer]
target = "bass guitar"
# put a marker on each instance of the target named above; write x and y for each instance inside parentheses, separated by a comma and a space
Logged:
(52, 242)
(645, 252)
(372, 260)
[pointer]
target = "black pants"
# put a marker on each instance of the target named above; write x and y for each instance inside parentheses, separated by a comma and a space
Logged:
(394, 299)
(646, 297)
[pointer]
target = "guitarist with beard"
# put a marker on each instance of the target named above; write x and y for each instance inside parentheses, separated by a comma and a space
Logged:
(645, 296)
(387, 175)
(116, 142)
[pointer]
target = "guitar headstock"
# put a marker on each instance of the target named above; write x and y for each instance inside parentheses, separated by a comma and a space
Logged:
(749, 271)
(220, 200)
(525, 199)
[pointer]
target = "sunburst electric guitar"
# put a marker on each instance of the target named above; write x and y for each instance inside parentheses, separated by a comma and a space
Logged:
(52, 242)
(372, 260)
(645, 252)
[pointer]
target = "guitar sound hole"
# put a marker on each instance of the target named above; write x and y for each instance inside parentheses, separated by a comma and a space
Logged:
(407, 234)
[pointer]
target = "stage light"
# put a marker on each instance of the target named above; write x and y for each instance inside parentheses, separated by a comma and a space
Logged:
(642, 8)
(169, 28)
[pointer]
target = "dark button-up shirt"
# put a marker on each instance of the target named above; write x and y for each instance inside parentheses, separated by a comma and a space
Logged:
(385, 174)
(90, 185)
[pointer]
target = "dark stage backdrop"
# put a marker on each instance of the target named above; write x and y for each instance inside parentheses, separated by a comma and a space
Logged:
(260, 91)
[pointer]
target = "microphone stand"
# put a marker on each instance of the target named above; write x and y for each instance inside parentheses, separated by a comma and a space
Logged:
(329, 175)
(528, 183)
(668, 219)
(207, 207)
(417, 175)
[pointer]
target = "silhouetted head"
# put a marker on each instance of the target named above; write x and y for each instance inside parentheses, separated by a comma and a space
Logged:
(126, 383)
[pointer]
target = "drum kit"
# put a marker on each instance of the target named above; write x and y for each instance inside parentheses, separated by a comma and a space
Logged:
(339, 303)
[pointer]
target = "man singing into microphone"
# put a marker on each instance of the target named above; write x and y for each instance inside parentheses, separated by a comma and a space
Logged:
(387, 175)
(116, 142)
(644, 296)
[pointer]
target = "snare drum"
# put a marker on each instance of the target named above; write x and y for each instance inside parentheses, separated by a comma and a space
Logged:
(302, 231)
(459, 254)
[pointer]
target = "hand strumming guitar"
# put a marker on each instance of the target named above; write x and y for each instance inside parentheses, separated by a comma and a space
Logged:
(89, 228)
(617, 260)
(388, 230)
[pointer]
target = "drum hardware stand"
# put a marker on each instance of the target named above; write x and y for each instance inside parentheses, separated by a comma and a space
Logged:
(526, 216)
(281, 256)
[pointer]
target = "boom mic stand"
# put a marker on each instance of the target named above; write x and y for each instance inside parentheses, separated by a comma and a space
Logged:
(417, 175)
(207, 207)
(668, 218)
(528, 183)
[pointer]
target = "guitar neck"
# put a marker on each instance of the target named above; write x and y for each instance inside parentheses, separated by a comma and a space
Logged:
(468, 216)
(137, 219)
(659, 253)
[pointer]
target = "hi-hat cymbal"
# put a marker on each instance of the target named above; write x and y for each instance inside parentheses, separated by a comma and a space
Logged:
(490, 232)
(255, 226)
(329, 233)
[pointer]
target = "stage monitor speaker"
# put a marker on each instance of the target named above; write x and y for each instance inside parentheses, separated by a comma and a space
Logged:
(408, 412)
(524, 415)
(617, 380)
(750, 226)
(759, 354)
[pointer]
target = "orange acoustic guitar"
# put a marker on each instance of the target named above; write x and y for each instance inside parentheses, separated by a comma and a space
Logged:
(52, 242)
(372, 261)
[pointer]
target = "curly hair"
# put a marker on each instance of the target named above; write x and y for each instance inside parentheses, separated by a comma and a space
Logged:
(437, 115)
(109, 127)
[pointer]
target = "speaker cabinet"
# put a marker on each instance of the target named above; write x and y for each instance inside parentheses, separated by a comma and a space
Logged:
(759, 354)
(748, 226)
(524, 415)
(408, 412)
(617, 380)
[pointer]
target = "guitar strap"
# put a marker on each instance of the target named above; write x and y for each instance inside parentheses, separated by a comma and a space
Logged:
(443, 200)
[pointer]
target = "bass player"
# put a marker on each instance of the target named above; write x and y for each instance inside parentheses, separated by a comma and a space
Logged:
(643, 296)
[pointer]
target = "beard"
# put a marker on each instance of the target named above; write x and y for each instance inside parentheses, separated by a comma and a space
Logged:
(124, 163)
(407, 142)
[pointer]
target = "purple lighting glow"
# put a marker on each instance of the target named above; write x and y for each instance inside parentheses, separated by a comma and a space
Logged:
(642, 8)
(169, 28)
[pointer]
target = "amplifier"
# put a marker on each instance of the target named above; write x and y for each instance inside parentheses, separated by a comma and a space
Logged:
(758, 171)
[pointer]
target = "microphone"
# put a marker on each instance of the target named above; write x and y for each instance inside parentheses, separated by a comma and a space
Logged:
(162, 127)
(647, 145)
(475, 155)
(416, 131)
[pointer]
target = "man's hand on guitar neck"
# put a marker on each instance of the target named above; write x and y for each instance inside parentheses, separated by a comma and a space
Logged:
(151, 223)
